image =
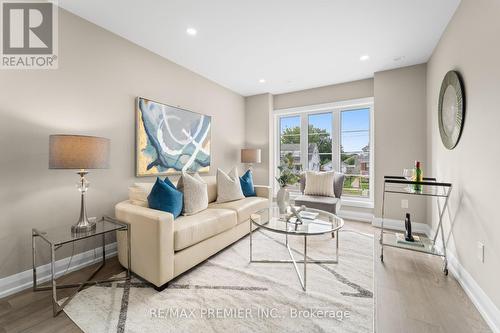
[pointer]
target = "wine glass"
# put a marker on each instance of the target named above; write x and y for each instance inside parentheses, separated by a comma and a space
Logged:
(409, 174)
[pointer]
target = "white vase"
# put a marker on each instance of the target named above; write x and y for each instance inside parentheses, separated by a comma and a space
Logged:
(283, 199)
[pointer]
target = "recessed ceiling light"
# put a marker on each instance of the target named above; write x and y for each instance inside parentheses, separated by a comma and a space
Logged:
(191, 31)
(364, 57)
(262, 80)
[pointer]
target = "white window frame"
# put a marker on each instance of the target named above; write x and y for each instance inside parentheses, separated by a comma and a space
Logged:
(336, 108)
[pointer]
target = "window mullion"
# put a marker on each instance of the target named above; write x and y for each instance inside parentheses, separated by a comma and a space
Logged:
(336, 140)
(304, 140)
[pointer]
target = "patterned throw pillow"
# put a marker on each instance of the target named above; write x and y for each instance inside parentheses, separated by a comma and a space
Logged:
(195, 193)
(228, 186)
(165, 197)
(319, 183)
(246, 182)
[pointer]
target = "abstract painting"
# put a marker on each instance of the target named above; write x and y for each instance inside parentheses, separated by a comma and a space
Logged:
(170, 139)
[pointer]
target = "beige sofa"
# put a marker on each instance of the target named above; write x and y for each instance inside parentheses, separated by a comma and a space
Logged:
(163, 248)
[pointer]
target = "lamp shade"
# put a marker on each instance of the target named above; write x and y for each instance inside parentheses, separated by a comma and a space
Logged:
(78, 152)
(250, 156)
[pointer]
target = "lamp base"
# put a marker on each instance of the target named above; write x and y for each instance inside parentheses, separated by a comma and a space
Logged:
(83, 227)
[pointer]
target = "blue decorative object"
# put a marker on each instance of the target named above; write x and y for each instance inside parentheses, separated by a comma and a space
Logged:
(246, 182)
(170, 139)
(165, 197)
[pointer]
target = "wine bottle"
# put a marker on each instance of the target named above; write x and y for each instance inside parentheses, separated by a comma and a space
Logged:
(419, 177)
(408, 235)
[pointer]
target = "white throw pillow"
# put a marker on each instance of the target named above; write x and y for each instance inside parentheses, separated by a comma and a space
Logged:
(195, 193)
(228, 186)
(319, 183)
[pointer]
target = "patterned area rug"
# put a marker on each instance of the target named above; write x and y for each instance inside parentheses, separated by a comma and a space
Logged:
(228, 294)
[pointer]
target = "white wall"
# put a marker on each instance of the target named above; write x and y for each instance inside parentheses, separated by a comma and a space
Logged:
(471, 46)
(326, 94)
(258, 110)
(400, 135)
(92, 92)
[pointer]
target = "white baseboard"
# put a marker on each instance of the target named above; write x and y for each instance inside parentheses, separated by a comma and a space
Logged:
(399, 225)
(484, 304)
(14, 283)
(355, 216)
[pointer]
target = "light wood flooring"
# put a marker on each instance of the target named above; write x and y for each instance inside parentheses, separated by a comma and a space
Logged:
(411, 295)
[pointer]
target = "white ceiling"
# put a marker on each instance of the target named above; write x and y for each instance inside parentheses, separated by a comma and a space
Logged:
(292, 44)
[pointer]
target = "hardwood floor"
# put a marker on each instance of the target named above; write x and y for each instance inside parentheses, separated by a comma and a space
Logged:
(411, 295)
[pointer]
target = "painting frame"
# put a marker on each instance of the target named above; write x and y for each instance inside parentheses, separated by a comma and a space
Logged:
(142, 141)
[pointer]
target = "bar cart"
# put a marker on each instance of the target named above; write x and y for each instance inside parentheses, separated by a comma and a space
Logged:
(429, 187)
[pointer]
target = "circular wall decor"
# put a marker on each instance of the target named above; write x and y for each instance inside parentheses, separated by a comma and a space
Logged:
(451, 109)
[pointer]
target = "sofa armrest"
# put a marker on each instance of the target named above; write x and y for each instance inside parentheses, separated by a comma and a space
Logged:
(152, 242)
(264, 192)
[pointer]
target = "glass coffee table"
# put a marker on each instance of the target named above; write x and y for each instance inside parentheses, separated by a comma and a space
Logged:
(324, 223)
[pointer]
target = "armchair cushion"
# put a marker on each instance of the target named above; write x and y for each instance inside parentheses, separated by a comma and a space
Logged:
(338, 183)
(328, 204)
(319, 183)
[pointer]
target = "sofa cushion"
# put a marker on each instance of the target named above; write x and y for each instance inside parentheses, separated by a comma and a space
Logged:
(228, 186)
(246, 182)
(138, 193)
(244, 207)
(165, 197)
(211, 187)
(195, 193)
(192, 229)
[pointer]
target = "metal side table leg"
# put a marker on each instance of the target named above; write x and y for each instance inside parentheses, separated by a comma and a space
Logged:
(305, 262)
(55, 305)
(129, 253)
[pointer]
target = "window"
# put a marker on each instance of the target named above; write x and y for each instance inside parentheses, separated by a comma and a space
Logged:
(290, 139)
(334, 136)
(355, 152)
(290, 132)
(319, 140)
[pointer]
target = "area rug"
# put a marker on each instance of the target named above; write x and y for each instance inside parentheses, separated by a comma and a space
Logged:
(228, 294)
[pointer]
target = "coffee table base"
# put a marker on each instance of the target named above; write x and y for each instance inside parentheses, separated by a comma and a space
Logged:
(305, 261)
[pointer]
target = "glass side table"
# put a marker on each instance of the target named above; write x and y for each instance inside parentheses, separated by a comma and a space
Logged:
(58, 236)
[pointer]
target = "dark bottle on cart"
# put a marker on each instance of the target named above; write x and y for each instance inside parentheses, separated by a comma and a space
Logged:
(408, 235)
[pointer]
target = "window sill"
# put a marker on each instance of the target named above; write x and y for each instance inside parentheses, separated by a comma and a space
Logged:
(360, 203)
(346, 201)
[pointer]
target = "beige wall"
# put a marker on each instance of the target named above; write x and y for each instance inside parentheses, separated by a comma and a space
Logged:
(470, 45)
(92, 92)
(400, 135)
(258, 111)
(326, 94)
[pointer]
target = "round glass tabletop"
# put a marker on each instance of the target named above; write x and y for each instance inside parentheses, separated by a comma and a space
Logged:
(314, 222)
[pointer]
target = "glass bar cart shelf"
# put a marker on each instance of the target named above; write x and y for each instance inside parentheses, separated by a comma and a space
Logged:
(429, 187)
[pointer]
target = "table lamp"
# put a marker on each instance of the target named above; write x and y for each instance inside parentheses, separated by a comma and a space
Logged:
(81, 153)
(250, 156)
